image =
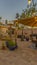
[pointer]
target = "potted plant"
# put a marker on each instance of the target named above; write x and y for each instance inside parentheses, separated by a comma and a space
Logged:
(11, 45)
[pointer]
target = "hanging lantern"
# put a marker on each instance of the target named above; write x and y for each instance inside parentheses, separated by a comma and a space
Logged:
(29, 1)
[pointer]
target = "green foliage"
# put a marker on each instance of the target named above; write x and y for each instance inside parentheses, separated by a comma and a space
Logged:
(11, 43)
(6, 21)
(30, 11)
(0, 17)
(17, 15)
(22, 15)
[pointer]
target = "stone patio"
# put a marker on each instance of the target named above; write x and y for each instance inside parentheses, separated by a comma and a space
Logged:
(21, 56)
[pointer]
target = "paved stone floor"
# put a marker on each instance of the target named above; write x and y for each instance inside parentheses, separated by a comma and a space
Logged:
(21, 56)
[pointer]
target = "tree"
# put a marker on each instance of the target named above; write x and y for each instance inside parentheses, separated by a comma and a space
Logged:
(22, 15)
(0, 19)
(30, 11)
(6, 21)
(17, 15)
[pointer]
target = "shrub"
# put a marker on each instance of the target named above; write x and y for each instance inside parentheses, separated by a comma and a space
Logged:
(11, 43)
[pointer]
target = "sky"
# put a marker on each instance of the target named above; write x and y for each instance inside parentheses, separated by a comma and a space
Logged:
(9, 8)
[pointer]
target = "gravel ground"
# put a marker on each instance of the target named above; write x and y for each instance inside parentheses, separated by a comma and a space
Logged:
(23, 55)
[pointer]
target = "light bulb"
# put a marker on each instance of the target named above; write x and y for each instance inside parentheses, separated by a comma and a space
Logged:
(29, 1)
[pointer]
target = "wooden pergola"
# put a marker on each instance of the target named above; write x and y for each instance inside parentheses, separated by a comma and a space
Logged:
(32, 21)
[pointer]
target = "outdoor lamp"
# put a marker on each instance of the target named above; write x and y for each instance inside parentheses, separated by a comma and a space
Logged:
(29, 1)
